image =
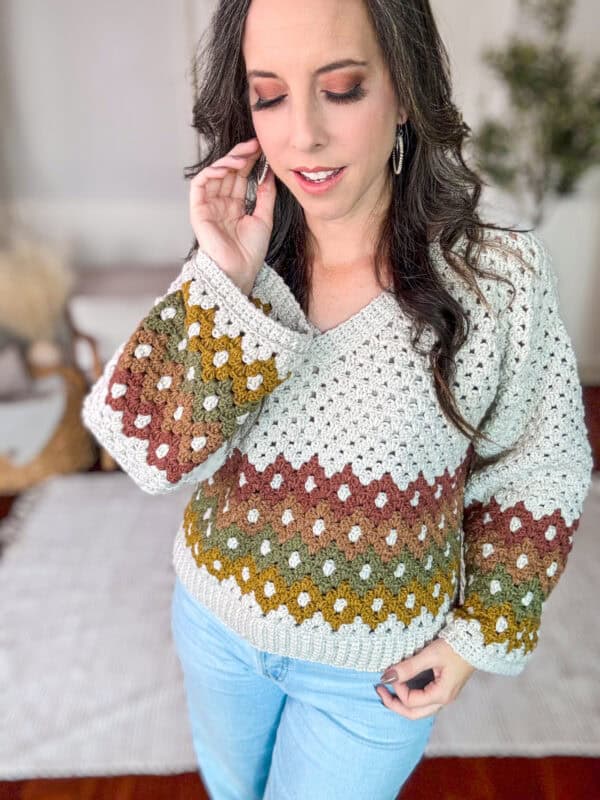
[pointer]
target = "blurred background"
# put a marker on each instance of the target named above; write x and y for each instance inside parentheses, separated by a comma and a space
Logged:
(95, 104)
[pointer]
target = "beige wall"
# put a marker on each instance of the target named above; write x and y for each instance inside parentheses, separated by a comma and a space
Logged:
(95, 100)
(571, 228)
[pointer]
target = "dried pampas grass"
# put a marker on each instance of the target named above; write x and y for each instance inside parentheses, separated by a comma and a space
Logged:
(35, 285)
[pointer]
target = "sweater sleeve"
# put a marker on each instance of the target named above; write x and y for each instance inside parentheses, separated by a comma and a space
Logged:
(521, 513)
(177, 394)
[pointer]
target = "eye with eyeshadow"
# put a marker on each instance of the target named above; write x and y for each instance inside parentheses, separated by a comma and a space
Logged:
(356, 93)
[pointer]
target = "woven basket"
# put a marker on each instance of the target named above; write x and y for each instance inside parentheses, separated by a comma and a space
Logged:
(71, 448)
(106, 462)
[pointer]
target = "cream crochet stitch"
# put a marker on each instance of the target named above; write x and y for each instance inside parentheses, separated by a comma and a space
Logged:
(335, 516)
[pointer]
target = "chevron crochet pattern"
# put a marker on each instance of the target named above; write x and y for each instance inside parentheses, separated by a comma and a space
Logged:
(336, 515)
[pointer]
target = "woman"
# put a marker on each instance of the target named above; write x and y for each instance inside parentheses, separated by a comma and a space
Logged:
(341, 371)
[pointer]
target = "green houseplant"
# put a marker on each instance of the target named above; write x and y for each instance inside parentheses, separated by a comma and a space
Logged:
(551, 134)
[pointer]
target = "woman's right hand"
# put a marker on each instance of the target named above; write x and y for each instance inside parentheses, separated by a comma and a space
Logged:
(235, 240)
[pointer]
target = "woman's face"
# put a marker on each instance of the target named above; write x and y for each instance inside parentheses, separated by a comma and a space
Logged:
(285, 44)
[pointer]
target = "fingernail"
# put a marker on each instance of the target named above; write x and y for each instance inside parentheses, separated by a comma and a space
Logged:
(375, 685)
(389, 676)
(263, 177)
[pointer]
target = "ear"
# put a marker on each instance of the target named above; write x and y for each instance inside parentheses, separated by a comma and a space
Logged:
(402, 117)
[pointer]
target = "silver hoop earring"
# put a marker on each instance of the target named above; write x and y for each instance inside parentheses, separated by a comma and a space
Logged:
(263, 173)
(398, 151)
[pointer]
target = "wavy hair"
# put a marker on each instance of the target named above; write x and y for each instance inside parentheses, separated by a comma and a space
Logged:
(435, 195)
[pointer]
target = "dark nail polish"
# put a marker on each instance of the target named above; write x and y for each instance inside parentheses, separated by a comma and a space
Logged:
(375, 685)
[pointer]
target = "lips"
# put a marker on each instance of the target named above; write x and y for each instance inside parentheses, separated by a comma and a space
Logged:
(320, 186)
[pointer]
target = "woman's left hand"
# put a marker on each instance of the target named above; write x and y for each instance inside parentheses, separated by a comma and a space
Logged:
(450, 671)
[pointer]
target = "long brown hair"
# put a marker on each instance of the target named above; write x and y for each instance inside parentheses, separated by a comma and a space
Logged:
(436, 193)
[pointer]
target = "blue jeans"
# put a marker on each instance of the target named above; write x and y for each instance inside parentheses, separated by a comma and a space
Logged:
(268, 727)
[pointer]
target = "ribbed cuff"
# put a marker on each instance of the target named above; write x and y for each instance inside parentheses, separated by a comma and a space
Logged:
(281, 338)
(466, 639)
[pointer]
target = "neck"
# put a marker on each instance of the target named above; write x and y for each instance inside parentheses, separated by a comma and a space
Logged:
(347, 244)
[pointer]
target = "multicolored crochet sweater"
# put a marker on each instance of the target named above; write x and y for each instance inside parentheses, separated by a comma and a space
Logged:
(336, 514)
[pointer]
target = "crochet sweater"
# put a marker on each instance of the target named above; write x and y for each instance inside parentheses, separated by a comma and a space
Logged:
(336, 514)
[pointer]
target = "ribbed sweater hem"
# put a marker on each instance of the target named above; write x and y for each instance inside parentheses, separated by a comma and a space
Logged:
(366, 651)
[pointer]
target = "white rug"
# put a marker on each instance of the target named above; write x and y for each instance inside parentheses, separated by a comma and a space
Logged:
(89, 679)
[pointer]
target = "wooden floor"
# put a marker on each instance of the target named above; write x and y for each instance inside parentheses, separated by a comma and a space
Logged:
(434, 779)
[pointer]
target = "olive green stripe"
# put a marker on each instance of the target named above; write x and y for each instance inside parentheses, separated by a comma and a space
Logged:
(311, 564)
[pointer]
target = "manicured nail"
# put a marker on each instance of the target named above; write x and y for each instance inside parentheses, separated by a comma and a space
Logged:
(389, 676)
(375, 685)
(262, 178)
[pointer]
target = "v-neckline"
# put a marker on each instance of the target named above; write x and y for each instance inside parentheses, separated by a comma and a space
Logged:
(364, 321)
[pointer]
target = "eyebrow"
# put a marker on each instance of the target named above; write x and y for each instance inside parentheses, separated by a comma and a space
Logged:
(346, 62)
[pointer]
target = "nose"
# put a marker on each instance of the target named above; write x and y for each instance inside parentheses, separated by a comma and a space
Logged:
(307, 125)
